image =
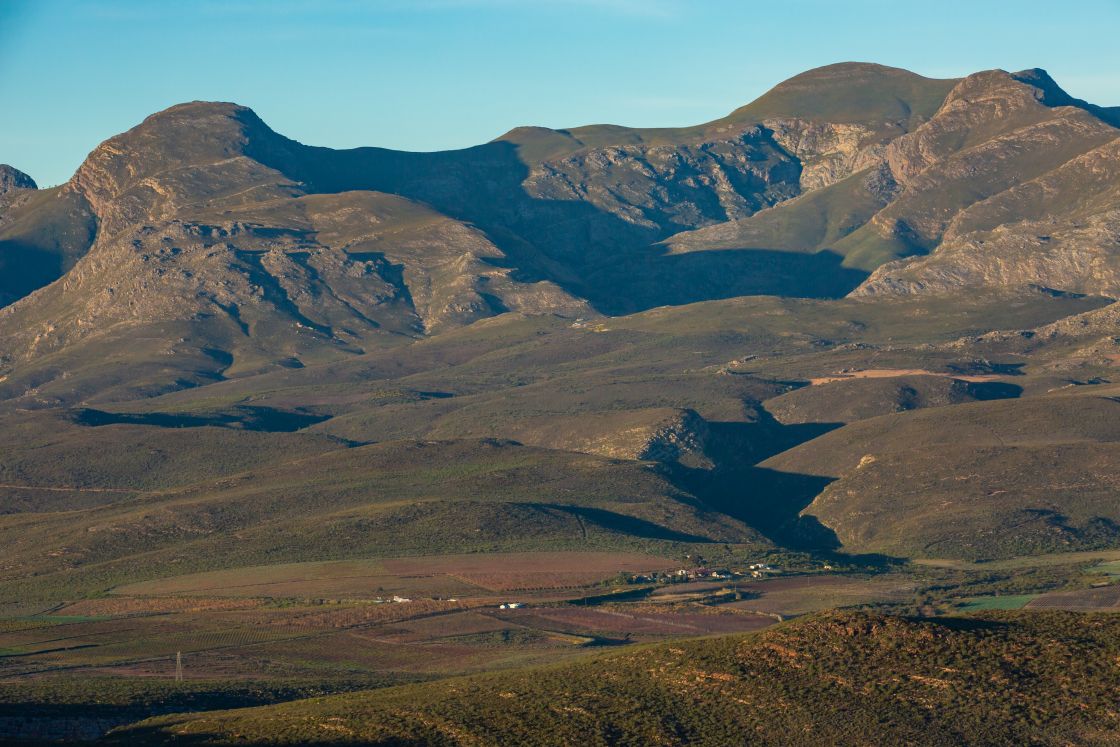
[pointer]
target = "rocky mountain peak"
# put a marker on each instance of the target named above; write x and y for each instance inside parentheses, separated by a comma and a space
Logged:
(12, 178)
(990, 85)
(1020, 90)
(186, 155)
(189, 134)
(1051, 94)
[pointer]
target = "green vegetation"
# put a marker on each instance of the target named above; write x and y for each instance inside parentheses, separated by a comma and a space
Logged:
(1011, 602)
(832, 679)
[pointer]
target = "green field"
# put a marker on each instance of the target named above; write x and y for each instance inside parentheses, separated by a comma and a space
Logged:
(1010, 602)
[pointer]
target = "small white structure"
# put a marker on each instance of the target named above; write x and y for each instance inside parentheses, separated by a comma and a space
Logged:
(401, 599)
(511, 606)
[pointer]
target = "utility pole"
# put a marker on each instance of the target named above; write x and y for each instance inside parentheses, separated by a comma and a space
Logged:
(178, 666)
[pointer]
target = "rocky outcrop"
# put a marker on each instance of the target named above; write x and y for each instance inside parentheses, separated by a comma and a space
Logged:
(1007, 192)
(1060, 230)
(828, 151)
(1081, 258)
(12, 178)
(667, 187)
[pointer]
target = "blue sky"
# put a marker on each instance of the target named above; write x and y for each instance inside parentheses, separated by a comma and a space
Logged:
(436, 74)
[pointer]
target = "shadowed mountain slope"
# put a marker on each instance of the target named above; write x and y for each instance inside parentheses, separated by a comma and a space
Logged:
(42, 233)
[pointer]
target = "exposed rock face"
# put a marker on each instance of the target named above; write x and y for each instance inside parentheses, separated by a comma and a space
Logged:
(828, 151)
(1059, 230)
(179, 161)
(193, 230)
(1071, 258)
(1007, 192)
(12, 178)
(665, 186)
(682, 439)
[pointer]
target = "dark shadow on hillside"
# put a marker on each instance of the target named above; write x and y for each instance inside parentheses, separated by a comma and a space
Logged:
(41, 239)
(771, 502)
(656, 279)
(989, 390)
(264, 419)
(965, 624)
(24, 269)
(623, 524)
(87, 722)
(767, 500)
(742, 444)
(615, 264)
(986, 367)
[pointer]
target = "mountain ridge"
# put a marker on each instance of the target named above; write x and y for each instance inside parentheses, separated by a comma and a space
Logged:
(207, 217)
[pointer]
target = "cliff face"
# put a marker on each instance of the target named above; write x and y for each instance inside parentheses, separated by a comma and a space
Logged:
(828, 151)
(12, 178)
(665, 186)
(1006, 191)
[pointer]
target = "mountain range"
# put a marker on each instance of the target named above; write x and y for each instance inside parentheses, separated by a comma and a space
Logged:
(868, 319)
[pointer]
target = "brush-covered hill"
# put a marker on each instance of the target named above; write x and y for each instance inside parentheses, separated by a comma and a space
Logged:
(835, 679)
(982, 480)
(303, 501)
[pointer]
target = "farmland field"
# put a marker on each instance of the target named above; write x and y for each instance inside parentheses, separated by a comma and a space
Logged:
(798, 595)
(1103, 598)
(646, 620)
(446, 575)
(1008, 602)
(371, 620)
